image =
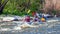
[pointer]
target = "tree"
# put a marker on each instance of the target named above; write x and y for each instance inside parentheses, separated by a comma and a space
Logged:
(2, 5)
(22, 6)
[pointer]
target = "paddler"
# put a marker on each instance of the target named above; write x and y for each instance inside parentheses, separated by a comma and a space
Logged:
(27, 19)
(33, 13)
(36, 19)
(43, 19)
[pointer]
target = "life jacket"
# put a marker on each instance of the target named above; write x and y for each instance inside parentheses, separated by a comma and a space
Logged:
(43, 19)
(36, 18)
(33, 13)
(27, 19)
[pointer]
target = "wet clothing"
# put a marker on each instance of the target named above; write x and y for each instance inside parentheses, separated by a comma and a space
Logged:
(43, 19)
(27, 19)
(33, 13)
(36, 18)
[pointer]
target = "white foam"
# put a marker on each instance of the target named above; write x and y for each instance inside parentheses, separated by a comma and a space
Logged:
(27, 25)
(5, 29)
(17, 28)
(51, 31)
(8, 18)
(52, 20)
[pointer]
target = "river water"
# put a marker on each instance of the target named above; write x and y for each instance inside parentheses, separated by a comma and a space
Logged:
(51, 28)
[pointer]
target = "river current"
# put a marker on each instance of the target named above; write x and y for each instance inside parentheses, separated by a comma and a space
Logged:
(51, 28)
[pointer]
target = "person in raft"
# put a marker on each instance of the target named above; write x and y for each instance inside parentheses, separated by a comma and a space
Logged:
(43, 19)
(33, 14)
(36, 19)
(27, 19)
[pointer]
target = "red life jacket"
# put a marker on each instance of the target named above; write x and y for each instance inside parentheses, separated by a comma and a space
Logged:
(33, 13)
(27, 19)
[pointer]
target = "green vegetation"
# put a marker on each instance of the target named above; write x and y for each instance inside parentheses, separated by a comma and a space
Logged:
(21, 7)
